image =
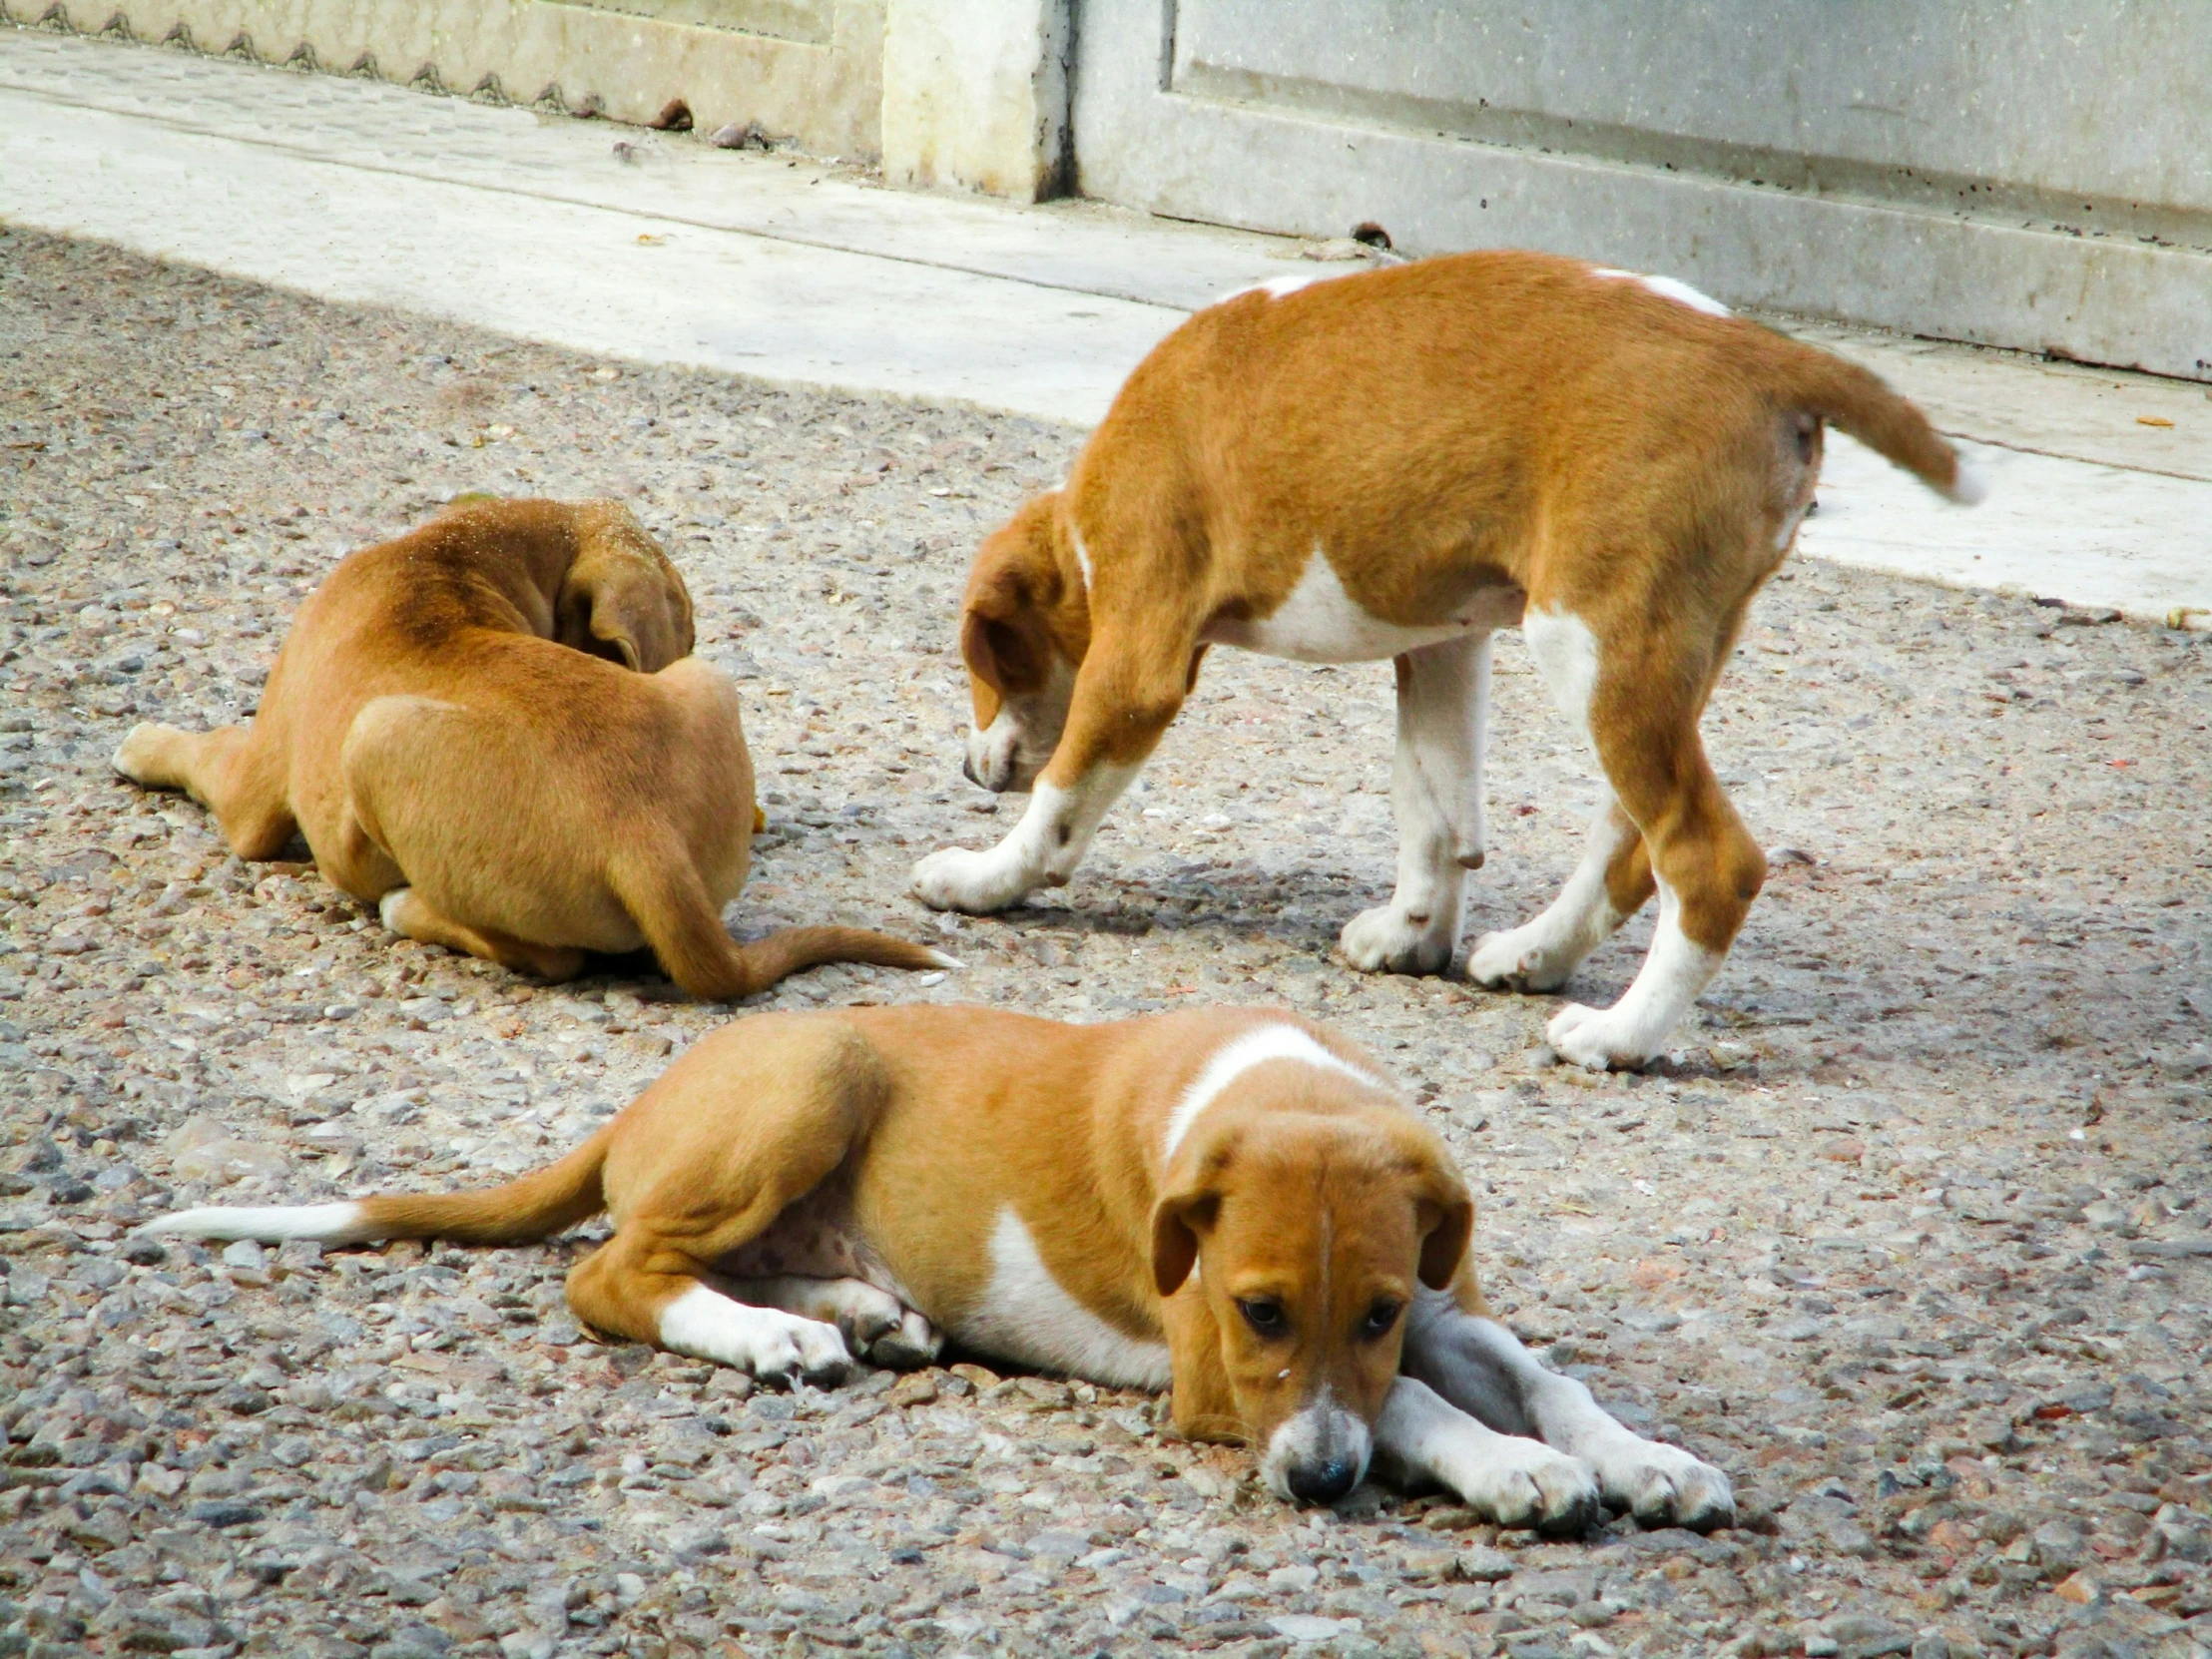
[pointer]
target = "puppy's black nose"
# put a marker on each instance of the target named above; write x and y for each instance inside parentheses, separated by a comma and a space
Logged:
(1323, 1482)
(968, 771)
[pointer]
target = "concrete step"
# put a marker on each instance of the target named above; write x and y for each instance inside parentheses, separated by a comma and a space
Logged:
(613, 240)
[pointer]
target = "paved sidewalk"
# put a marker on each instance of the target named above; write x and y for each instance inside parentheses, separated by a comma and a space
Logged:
(613, 240)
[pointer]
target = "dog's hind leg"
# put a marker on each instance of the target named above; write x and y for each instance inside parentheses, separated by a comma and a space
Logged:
(405, 911)
(225, 770)
(1481, 1367)
(1608, 886)
(1436, 795)
(713, 1156)
(1645, 696)
(1613, 879)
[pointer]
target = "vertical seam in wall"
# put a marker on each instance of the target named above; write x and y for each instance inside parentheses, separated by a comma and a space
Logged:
(1167, 45)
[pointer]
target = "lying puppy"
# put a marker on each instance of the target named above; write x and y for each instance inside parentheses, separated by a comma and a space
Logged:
(1395, 464)
(1231, 1203)
(493, 725)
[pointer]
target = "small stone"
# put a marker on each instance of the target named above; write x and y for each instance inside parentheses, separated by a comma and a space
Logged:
(1485, 1566)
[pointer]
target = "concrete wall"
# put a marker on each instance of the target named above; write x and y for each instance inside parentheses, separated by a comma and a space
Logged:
(2034, 173)
(808, 70)
(2024, 173)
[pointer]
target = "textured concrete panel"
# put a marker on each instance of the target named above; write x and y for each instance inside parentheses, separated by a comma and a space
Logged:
(807, 70)
(1203, 113)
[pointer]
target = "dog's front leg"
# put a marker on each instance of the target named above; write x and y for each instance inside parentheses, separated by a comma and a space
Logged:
(1123, 701)
(1042, 849)
(1507, 1478)
(1436, 796)
(1480, 1366)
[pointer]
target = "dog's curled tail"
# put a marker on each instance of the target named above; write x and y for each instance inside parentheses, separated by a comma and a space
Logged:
(522, 1211)
(1859, 403)
(666, 899)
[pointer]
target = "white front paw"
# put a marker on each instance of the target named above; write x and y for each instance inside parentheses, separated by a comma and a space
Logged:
(977, 882)
(1663, 1485)
(1521, 960)
(782, 1347)
(1598, 1038)
(1526, 1483)
(1388, 941)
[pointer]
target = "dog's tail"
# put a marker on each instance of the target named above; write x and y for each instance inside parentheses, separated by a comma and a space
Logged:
(666, 899)
(529, 1207)
(1859, 402)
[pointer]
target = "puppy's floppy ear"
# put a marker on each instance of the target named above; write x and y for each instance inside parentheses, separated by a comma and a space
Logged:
(999, 645)
(1178, 1222)
(1444, 1213)
(622, 599)
(1005, 637)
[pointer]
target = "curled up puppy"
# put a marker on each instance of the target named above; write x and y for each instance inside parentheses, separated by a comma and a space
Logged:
(493, 728)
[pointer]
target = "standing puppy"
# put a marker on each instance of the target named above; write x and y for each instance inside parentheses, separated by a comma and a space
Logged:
(1395, 464)
(494, 726)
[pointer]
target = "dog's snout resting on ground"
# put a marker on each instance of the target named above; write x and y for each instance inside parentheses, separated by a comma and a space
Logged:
(494, 728)
(1232, 1204)
(1396, 464)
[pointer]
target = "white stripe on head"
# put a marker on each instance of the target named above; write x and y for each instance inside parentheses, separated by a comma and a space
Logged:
(330, 1224)
(1232, 1059)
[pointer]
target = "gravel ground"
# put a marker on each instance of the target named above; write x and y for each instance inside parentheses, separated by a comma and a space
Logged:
(1910, 1235)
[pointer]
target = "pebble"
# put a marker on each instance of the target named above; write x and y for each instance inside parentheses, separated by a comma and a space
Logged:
(1940, 1370)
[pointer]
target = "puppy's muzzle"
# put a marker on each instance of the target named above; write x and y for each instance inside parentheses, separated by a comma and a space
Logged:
(1318, 1455)
(993, 757)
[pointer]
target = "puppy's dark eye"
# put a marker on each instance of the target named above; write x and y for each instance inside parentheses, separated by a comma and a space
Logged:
(1265, 1315)
(1379, 1318)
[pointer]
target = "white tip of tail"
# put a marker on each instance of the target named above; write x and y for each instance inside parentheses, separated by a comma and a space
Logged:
(330, 1224)
(945, 962)
(1970, 486)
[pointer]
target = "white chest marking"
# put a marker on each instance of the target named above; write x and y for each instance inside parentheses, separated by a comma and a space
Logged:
(1026, 1314)
(1238, 1056)
(1321, 623)
(1670, 287)
(1567, 660)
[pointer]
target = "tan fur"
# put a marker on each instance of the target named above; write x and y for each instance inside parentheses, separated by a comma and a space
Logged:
(926, 1122)
(1460, 438)
(497, 721)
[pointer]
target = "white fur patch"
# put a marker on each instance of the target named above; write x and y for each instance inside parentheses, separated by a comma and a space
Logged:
(1026, 1314)
(1543, 951)
(763, 1340)
(1662, 1484)
(1045, 847)
(1082, 555)
(1278, 288)
(1971, 486)
(1635, 1028)
(1670, 287)
(1509, 1478)
(1318, 622)
(1566, 657)
(1239, 1055)
(1321, 1433)
(330, 1224)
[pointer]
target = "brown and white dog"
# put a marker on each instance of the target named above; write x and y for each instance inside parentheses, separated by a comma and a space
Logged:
(1232, 1203)
(1395, 464)
(494, 726)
